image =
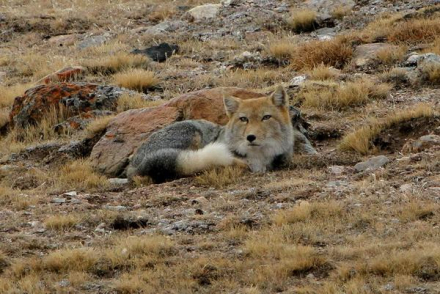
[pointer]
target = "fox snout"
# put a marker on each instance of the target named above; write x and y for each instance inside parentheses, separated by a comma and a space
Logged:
(251, 138)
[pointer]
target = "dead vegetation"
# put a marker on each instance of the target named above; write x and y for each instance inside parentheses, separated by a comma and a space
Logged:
(302, 20)
(136, 79)
(333, 96)
(361, 140)
(220, 178)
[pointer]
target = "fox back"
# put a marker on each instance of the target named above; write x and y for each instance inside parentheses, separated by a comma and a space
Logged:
(260, 129)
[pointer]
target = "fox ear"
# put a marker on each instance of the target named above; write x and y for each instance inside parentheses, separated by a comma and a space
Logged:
(279, 97)
(231, 104)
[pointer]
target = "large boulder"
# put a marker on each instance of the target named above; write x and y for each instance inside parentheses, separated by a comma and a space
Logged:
(73, 98)
(128, 130)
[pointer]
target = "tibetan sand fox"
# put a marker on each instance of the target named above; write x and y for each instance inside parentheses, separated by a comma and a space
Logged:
(259, 135)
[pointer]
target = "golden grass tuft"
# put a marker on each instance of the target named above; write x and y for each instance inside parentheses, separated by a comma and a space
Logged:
(340, 11)
(68, 260)
(390, 56)
(130, 283)
(431, 73)
(220, 177)
(79, 175)
(322, 73)
(8, 94)
(361, 139)
(281, 50)
(61, 222)
(116, 63)
(98, 125)
(302, 20)
(127, 101)
(309, 212)
(136, 79)
(415, 31)
(331, 96)
(336, 52)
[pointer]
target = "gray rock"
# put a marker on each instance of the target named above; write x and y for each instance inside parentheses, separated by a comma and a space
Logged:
(372, 164)
(94, 41)
(58, 200)
(206, 11)
(297, 81)
(118, 181)
(417, 59)
(325, 8)
(115, 207)
(366, 54)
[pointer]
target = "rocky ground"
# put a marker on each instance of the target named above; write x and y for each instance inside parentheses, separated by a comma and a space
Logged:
(84, 83)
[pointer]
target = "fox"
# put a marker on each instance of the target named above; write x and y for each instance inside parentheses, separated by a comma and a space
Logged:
(259, 135)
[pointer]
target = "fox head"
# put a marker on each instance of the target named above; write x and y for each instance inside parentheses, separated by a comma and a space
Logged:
(260, 126)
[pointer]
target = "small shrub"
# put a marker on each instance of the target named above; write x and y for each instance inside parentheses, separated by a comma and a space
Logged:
(61, 222)
(302, 20)
(136, 79)
(116, 63)
(220, 177)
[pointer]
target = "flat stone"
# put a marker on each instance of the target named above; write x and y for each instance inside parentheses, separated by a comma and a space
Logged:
(366, 54)
(372, 164)
(118, 181)
(206, 11)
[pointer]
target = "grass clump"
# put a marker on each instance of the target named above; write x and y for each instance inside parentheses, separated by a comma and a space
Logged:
(61, 222)
(332, 96)
(220, 177)
(322, 73)
(116, 63)
(136, 79)
(128, 101)
(336, 52)
(98, 125)
(302, 20)
(281, 50)
(80, 175)
(430, 73)
(339, 12)
(361, 140)
(390, 56)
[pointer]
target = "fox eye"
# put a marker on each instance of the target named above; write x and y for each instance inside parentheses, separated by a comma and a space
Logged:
(266, 117)
(244, 119)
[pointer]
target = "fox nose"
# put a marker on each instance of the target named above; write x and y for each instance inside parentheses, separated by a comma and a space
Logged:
(251, 138)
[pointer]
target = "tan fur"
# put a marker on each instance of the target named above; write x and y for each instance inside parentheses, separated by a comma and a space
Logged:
(266, 118)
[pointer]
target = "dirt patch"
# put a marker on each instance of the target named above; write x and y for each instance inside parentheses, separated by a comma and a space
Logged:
(394, 137)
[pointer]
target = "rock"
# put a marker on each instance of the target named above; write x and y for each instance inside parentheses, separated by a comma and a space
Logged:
(406, 188)
(75, 97)
(336, 169)
(128, 130)
(325, 33)
(94, 41)
(71, 194)
(423, 143)
(58, 200)
(115, 208)
(125, 133)
(161, 28)
(66, 74)
(118, 181)
(129, 222)
(325, 8)
(63, 40)
(427, 65)
(206, 11)
(158, 53)
(372, 164)
(416, 59)
(297, 81)
(366, 55)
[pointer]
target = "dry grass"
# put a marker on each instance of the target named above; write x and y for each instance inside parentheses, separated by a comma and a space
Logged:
(220, 177)
(322, 73)
(136, 79)
(61, 222)
(8, 94)
(98, 125)
(79, 175)
(396, 76)
(116, 63)
(361, 139)
(340, 11)
(11, 198)
(127, 101)
(282, 50)
(434, 47)
(17, 139)
(302, 20)
(431, 73)
(331, 96)
(415, 31)
(336, 52)
(390, 56)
